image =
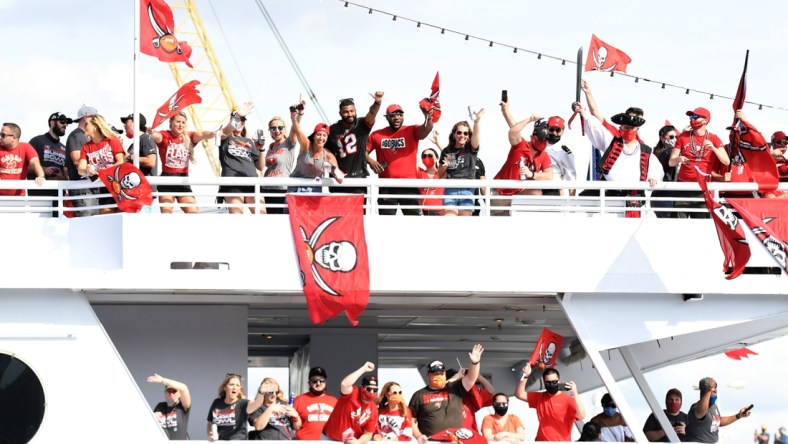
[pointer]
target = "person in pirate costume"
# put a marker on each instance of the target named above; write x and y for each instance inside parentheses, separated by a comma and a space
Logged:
(624, 156)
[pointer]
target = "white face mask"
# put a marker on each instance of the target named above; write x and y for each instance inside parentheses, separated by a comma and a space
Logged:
(670, 142)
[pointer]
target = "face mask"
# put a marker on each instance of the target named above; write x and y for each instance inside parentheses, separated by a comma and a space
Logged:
(129, 134)
(696, 124)
(500, 408)
(629, 135)
(438, 381)
(553, 138)
(673, 407)
(609, 411)
(316, 392)
(670, 142)
(538, 144)
(712, 399)
(395, 399)
(428, 162)
(551, 387)
(369, 396)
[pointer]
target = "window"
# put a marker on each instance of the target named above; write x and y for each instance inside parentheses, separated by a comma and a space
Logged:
(21, 401)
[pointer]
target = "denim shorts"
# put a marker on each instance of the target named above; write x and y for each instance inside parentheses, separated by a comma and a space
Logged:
(456, 202)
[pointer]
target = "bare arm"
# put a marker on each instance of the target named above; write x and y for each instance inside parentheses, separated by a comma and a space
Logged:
(369, 119)
(259, 398)
(676, 157)
(546, 174)
(592, 106)
(581, 410)
(303, 140)
(507, 115)
(486, 384)
(743, 413)
(346, 386)
(40, 176)
(519, 391)
(514, 130)
(183, 389)
(477, 116)
(475, 356)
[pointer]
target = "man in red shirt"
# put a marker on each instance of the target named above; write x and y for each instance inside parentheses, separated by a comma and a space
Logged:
(355, 417)
(395, 149)
(314, 407)
(15, 158)
(555, 410)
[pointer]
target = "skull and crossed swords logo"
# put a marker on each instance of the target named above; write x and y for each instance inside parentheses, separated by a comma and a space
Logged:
(126, 183)
(333, 256)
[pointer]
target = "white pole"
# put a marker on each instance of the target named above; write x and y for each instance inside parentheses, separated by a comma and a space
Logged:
(136, 139)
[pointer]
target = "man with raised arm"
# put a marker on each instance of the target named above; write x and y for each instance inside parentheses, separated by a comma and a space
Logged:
(173, 414)
(355, 416)
(704, 419)
(555, 410)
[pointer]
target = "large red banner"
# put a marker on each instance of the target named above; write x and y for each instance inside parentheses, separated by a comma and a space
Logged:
(128, 186)
(768, 220)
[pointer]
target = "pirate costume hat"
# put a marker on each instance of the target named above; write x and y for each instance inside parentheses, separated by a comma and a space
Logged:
(628, 119)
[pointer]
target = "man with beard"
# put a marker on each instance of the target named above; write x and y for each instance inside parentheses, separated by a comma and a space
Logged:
(314, 407)
(555, 410)
(526, 160)
(355, 417)
(438, 406)
(149, 152)
(395, 149)
(347, 140)
(15, 159)
(704, 419)
(676, 418)
(51, 154)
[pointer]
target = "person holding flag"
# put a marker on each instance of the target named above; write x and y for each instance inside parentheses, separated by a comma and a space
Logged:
(102, 151)
(555, 410)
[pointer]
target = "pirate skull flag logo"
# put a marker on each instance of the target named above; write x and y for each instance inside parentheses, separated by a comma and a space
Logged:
(333, 256)
(128, 186)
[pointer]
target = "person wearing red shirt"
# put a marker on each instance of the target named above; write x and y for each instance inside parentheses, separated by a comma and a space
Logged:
(15, 158)
(395, 149)
(430, 205)
(395, 423)
(556, 410)
(696, 147)
(314, 407)
(355, 417)
(103, 150)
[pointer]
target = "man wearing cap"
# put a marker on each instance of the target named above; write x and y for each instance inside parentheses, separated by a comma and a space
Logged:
(173, 414)
(314, 407)
(15, 159)
(76, 140)
(395, 149)
(561, 156)
(676, 418)
(355, 416)
(438, 406)
(556, 410)
(704, 419)
(696, 147)
(779, 144)
(148, 149)
(51, 154)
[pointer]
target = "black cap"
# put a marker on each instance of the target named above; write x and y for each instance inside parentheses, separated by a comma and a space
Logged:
(369, 381)
(435, 367)
(60, 117)
(317, 371)
(143, 121)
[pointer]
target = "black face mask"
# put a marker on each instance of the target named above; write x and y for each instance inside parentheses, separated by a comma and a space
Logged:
(553, 138)
(551, 387)
(501, 408)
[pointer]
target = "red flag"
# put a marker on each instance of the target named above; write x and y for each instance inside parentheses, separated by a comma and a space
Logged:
(603, 57)
(128, 186)
(740, 353)
(432, 101)
(768, 220)
(459, 435)
(751, 159)
(185, 96)
(741, 91)
(156, 39)
(547, 348)
(328, 232)
(730, 233)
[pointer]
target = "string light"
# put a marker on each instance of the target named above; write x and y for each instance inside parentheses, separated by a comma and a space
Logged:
(563, 62)
(370, 10)
(711, 96)
(418, 25)
(491, 44)
(466, 37)
(637, 80)
(443, 31)
(539, 57)
(760, 107)
(346, 4)
(612, 73)
(515, 50)
(687, 91)
(393, 18)
(663, 86)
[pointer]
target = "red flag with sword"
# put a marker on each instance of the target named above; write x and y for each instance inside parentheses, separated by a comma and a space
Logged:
(156, 37)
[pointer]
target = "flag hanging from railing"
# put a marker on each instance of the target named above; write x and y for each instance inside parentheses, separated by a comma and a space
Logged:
(156, 38)
(128, 186)
(768, 220)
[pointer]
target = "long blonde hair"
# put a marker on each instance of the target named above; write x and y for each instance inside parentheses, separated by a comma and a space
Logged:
(241, 393)
(279, 395)
(102, 126)
(185, 136)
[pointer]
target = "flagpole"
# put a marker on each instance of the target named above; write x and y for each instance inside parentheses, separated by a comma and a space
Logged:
(136, 138)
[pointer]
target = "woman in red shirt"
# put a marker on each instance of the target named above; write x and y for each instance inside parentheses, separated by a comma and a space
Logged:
(102, 151)
(395, 422)
(430, 202)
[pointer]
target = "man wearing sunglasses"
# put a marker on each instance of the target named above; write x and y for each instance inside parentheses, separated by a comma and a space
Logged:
(704, 418)
(314, 407)
(173, 414)
(15, 159)
(555, 410)
(51, 154)
(355, 417)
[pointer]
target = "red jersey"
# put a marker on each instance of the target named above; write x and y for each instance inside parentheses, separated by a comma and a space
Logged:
(536, 161)
(349, 414)
(556, 414)
(430, 201)
(398, 149)
(393, 425)
(174, 153)
(691, 146)
(314, 411)
(13, 165)
(101, 154)
(476, 399)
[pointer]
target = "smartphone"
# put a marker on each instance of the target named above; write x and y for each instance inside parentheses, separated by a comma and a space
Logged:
(749, 408)
(504, 96)
(470, 112)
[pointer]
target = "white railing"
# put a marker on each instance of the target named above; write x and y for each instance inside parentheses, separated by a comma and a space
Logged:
(207, 195)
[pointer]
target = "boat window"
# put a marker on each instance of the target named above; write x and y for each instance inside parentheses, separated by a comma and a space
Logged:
(22, 401)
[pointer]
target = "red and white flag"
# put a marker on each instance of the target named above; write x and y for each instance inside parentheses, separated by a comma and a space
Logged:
(768, 220)
(156, 38)
(750, 158)
(603, 57)
(185, 96)
(431, 102)
(128, 186)
(740, 353)
(547, 348)
(459, 435)
(328, 232)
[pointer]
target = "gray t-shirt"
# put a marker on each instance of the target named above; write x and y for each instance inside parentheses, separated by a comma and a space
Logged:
(280, 161)
(76, 140)
(238, 157)
(706, 429)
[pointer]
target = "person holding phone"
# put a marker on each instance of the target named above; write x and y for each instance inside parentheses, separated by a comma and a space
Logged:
(677, 418)
(705, 420)
(556, 410)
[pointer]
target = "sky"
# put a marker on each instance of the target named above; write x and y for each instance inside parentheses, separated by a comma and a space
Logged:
(58, 55)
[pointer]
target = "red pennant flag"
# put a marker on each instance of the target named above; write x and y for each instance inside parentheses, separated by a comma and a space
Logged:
(741, 91)
(740, 353)
(768, 220)
(432, 101)
(730, 233)
(128, 186)
(185, 96)
(156, 39)
(459, 435)
(328, 232)
(603, 57)
(547, 348)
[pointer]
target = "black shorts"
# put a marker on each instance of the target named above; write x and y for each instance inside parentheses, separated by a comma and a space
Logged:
(234, 190)
(164, 189)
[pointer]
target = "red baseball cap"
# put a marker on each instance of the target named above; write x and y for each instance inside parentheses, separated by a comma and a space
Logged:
(701, 112)
(779, 135)
(555, 122)
(322, 127)
(394, 109)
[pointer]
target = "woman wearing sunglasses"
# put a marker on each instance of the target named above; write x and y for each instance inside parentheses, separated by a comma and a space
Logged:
(430, 203)
(395, 422)
(173, 414)
(355, 417)
(230, 412)
(314, 159)
(279, 161)
(275, 420)
(458, 161)
(239, 157)
(663, 149)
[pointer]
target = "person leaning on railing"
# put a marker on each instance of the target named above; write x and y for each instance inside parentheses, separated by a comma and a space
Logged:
(239, 157)
(15, 157)
(279, 161)
(458, 161)
(102, 151)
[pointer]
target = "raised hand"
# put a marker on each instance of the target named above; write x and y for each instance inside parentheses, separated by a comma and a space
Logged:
(377, 95)
(477, 115)
(476, 353)
(245, 109)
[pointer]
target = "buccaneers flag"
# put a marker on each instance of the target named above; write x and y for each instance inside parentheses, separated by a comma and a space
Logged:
(547, 348)
(603, 57)
(768, 220)
(431, 103)
(730, 233)
(128, 186)
(751, 160)
(328, 232)
(185, 96)
(156, 39)
(740, 353)
(459, 435)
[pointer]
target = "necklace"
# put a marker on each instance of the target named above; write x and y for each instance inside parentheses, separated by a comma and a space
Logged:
(698, 152)
(635, 147)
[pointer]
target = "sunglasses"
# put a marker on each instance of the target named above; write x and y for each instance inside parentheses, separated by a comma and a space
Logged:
(424, 156)
(234, 375)
(317, 381)
(780, 142)
(172, 391)
(276, 128)
(501, 404)
(371, 389)
(3, 136)
(696, 117)
(461, 133)
(271, 393)
(395, 393)
(671, 137)
(397, 114)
